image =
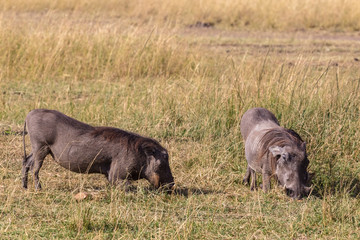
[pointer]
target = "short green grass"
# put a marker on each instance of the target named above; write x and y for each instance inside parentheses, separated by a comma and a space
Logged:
(186, 87)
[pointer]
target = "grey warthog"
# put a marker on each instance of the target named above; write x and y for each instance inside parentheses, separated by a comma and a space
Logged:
(119, 155)
(274, 151)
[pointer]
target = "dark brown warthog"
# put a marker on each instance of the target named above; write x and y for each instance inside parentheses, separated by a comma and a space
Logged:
(119, 155)
(274, 151)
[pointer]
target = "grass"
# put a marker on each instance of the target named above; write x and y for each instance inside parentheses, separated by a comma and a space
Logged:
(336, 15)
(145, 69)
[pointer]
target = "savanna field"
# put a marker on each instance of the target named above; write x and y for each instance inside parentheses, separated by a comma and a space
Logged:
(183, 72)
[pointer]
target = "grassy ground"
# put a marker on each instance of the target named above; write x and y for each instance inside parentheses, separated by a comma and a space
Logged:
(158, 72)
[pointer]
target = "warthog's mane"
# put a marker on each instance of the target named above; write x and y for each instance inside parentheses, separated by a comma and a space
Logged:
(278, 137)
(131, 141)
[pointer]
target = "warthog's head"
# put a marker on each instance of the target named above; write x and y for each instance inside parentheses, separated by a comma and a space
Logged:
(291, 169)
(157, 169)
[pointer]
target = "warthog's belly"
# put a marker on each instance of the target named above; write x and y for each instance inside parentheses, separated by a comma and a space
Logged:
(81, 158)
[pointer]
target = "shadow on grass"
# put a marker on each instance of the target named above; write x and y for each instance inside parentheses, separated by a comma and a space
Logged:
(194, 191)
(178, 191)
(354, 188)
(347, 185)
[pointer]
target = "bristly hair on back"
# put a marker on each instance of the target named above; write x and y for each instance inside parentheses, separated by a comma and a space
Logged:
(279, 137)
(133, 141)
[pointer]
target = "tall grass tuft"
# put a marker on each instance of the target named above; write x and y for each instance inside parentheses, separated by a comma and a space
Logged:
(335, 15)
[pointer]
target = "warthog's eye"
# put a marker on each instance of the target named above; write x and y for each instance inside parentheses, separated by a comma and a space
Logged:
(290, 157)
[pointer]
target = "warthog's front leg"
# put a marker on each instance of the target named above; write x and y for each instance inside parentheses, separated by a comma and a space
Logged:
(115, 179)
(246, 179)
(253, 179)
(266, 180)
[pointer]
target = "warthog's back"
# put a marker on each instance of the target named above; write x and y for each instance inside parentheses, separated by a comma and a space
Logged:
(76, 145)
(254, 118)
(46, 125)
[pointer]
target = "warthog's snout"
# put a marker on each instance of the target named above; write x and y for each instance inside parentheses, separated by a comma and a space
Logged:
(298, 193)
(169, 187)
(167, 184)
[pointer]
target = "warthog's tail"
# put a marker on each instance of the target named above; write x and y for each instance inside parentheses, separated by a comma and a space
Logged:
(24, 133)
(26, 164)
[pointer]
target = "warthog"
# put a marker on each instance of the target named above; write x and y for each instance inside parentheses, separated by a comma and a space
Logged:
(119, 155)
(274, 151)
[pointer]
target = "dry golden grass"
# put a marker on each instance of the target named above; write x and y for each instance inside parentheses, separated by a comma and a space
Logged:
(253, 14)
(140, 66)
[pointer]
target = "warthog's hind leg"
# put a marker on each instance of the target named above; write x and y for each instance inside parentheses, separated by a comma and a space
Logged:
(39, 157)
(28, 164)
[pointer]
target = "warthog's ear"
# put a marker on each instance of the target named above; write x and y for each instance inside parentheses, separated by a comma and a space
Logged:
(147, 149)
(276, 151)
(303, 145)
